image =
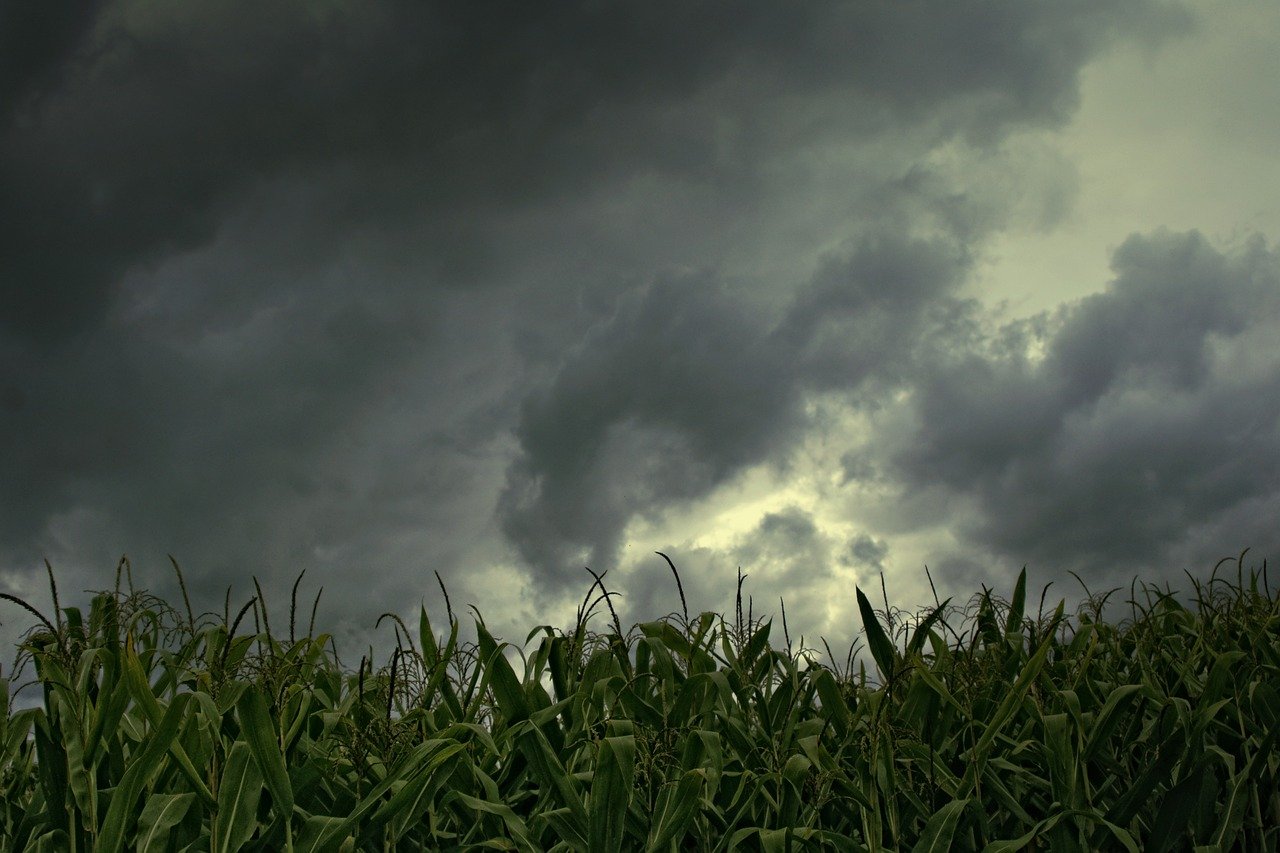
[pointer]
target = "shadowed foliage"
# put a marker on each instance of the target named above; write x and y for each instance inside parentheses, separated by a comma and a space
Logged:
(986, 728)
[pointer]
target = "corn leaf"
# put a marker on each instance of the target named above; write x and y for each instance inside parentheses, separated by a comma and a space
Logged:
(881, 648)
(611, 789)
(238, 795)
(940, 830)
(161, 813)
(260, 734)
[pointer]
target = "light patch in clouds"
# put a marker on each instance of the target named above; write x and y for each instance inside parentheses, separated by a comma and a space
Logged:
(1180, 134)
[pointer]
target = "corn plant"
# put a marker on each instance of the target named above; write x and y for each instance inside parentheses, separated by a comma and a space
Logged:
(982, 728)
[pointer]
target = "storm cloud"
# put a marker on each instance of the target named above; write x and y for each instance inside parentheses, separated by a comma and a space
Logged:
(1144, 434)
(136, 130)
(502, 290)
(683, 388)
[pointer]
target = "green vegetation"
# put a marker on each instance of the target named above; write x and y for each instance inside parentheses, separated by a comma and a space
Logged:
(161, 731)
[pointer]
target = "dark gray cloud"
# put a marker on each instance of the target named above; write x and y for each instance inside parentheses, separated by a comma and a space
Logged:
(1146, 438)
(682, 389)
(862, 313)
(36, 41)
(867, 551)
(678, 391)
(318, 286)
(165, 118)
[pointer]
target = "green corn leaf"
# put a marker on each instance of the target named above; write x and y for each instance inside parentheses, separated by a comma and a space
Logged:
(936, 685)
(1108, 718)
(56, 841)
(1221, 676)
(987, 627)
(551, 773)
(794, 775)
(735, 840)
(921, 633)
(515, 825)
(321, 834)
(1013, 845)
(1233, 816)
(677, 806)
(700, 658)
(298, 711)
(502, 678)
(1144, 787)
(776, 840)
(994, 784)
(1007, 706)
(409, 802)
(726, 649)
(1060, 757)
(105, 721)
(783, 840)
(438, 663)
(611, 789)
(544, 717)
(1013, 624)
(833, 705)
(559, 665)
(142, 767)
(1265, 702)
(259, 732)
(755, 645)
(161, 813)
(694, 696)
(1119, 833)
(51, 770)
(1174, 812)
(140, 690)
(81, 783)
(566, 828)
(17, 736)
(941, 828)
(238, 795)
(881, 648)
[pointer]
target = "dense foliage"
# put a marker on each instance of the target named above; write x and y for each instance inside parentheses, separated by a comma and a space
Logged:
(160, 731)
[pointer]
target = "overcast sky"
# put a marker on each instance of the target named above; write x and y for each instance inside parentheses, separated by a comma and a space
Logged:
(506, 289)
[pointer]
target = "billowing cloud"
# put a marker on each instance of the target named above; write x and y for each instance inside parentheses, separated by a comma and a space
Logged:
(153, 127)
(868, 551)
(679, 390)
(683, 388)
(1146, 436)
(375, 290)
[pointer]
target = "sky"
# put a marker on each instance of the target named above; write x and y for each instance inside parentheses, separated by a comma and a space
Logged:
(820, 292)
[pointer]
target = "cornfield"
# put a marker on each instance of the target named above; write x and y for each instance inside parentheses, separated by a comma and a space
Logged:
(983, 728)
